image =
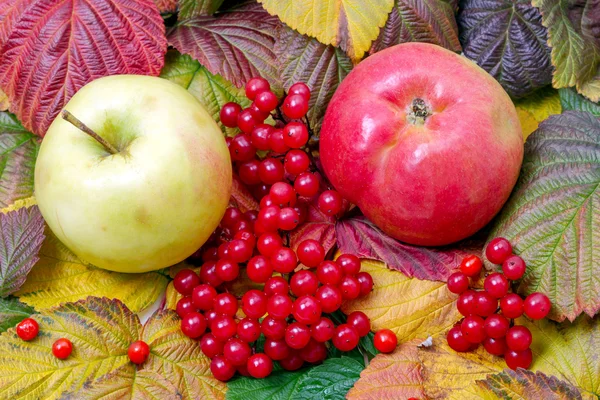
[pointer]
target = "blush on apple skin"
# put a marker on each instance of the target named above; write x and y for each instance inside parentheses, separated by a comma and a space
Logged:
(425, 181)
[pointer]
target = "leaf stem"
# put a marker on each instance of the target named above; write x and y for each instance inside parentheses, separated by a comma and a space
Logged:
(67, 116)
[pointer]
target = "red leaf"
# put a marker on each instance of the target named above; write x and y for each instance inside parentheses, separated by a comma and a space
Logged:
(241, 196)
(361, 237)
(317, 226)
(166, 6)
(54, 47)
(237, 44)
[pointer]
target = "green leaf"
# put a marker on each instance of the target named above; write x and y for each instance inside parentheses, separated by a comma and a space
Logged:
(59, 276)
(366, 342)
(18, 151)
(194, 8)
(321, 67)
(213, 91)
(570, 100)
(328, 381)
(552, 217)
(509, 384)
(12, 311)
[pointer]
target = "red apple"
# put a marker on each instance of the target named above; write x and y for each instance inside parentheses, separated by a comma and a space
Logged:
(425, 142)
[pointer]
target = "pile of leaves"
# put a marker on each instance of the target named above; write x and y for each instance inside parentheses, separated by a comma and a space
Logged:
(545, 53)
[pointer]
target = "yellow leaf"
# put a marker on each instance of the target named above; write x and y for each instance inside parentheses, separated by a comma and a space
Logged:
(349, 24)
(410, 307)
(535, 108)
(4, 102)
(172, 297)
(28, 202)
(59, 276)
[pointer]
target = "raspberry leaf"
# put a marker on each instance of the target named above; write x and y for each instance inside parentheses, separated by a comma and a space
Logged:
(528, 385)
(194, 8)
(570, 100)
(241, 196)
(318, 226)
(12, 311)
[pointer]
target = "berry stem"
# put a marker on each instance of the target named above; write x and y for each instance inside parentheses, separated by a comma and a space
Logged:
(67, 116)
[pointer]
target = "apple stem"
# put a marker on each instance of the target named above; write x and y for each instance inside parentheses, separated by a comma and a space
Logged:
(67, 116)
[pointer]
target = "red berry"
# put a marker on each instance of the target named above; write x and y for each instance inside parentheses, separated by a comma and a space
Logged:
(314, 352)
(184, 306)
(227, 270)
(254, 303)
(471, 265)
(221, 368)
(330, 202)
(537, 305)
(366, 283)
(241, 148)
(240, 250)
(236, 351)
(322, 330)
(457, 341)
(268, 243)
(329, 273)
(330, 298)
(496, 284)
(210, 317)
(229, 114)
(301, 89)
(247, 120)
(518, 359)
(306, 309)
(248, 329)
(306, 184)
(223, 327)
(255, 86)
(273, 328)
(276, 285)
(266, 101)
(295, 106)
(270, 170)
(259, 115)
(210, 346)
(292, 363)
(385, 341)
(282, 194)
(276, 142)
(260, 366)
(246, 236)
(203, 296)
(511, 305)
(513, 267)
(304, 282)
(62, 348)
(496, 326)
(350, 287)
(226, 304)
(485, 304)
(297, 335)
(185, 281)
(498, 250)
(359, 321)
(28, 329)
(345, 337)
(518, 338)
(279, 306)
(458, 282)
(296, 162)
(496, 346)
(288, 219)
(208, 274)
(350, 264)
(277, 349)
(259, 269)
(193, 325)
(295, 135)
(138, 352)
(260, 191)
(284, 260)
(310, 253)
(260, 136)
(466, 303)
(473, 329)
(269, 218)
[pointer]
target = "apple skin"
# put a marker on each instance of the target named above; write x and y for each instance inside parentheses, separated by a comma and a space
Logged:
(156, 201)
(425, 184)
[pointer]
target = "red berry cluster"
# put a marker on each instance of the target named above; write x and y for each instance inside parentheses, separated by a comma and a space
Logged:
(484, 321)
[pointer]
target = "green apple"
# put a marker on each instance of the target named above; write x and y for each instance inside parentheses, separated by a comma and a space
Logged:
(154, 201)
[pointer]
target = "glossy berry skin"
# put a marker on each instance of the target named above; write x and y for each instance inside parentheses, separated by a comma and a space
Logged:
(270, 170)
(259, 366)
(266, 101)
(457, 341)
(330, 202)
(458, 282)
(485, 304)
(496, 284)
(236, 351)
(240, 250)
(329, 273)
(513, 267)
(231, 217)
(279, 306)
(496, 346)
(254, 303)
(466, 303)
(295, 135)
(260, 136)
(210, 346)
(537, 305)
(297, 335)
(259, 269)
(293, 362)
(330, 298)
(518, 359)
(185, 281)
(350, 264)
(229, 114)
(511, 305)
(498, 250)
(203, 296)
(223, 327)
(222, 369)
(277, 349)
(314, 352)
(28, 329)
(226, 304)
(518, 338)
(241, 148)
(345, 337)
(62, 348)
(248, 172)
(184, 306)
(193, 325)
(255, 86)
(276, 142)
(268, 217)
(471, 265)
(366, 283)
(496, 326)
(282, 194)
(322, 330)
(295, 106)
(273, 328)
(306, 309)
(304, 282)
(210, 317)
(284, 260)
(350, 287)
(385, 341)
(301, 89)
(227, 270)
(473, 329)
(138, 352)
(246, 121)
(276, 285)
(296, 162)
(359, 321)
(288, 219)
(248, 329)
(268, 243)
(306, 184)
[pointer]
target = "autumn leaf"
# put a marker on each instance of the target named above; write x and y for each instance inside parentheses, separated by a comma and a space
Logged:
(237, 44)
(241, 196)
(349, 24)
(4, 103)
(550, 218)
(318, 226)
(166, 6)
(570, 100)
(88, 41)
(428, 21)
(59, 276)
(21, 236)
(410, 307)
(536, 108)
(361, 237)
(194, 8)
(12, 311)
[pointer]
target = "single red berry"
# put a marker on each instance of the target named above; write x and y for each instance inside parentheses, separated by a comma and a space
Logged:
(466, 303)
(226, 304)
(295, 135)
(350, 264)
(269, 218)
(288, 219)
(273, 328)
(457, 341)
(350, 287)
(248, 329)
(277, 349)
(210, 346)
(240, 250)
(223, 327)
(279, 306)
(513, 267)
(28, 329)
(359, 321)
(282, 194)
(385, 340)
(268, 243)
(260, 136)
(295, 106)
(254, 303)
(259, 269)
(498, 250)
(276, 142)
(495, 346)
(496, 284)
(241, 148)
(314, 352)
(210, 317)
(471, 265)
(260, 366)
(329, 273)
(227, 270)
(236, 351)
(296, 162)
(366, 283)
(255, 86)
(185, 281)
(193, 325)
(485, 304)
(511, 305)
(345, 337)
(208, 274)
(496, 326)
(304, 282)
(276, 285)
(231, 217)
(330, 298)
(247, 120)
(258, 115)
(306, 184)
(138, 352)
(300, 89)
(222, 369)
(229, 114)
(284, 260)
(293, 362)
(322, 330)
(246, 236)
(473, 329)
(266, 101)
(62, 348)
(330, 202)
(203, 296)
(310, 253)
(306, 309)
(297, 335)
(271, 170)
(518, 359)
(184, 306)
(518, 338)
(537, 305)
(222, 251)
(458, 282)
